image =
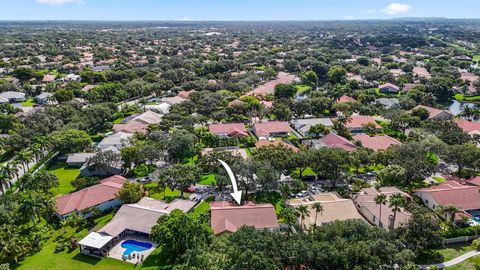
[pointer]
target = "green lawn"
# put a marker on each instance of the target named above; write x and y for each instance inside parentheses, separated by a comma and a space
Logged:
(439, 179)
(208, 179)
(28, 103)
(47, 259)
(191, 160)
(167, 195)
(203, 207)
(65, 175)
(301, 88)
(447, 253)
(470, 264)
(461, 97)
(476, 58)
(118, 120)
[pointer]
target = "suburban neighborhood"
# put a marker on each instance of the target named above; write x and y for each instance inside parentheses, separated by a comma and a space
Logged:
(239, 144)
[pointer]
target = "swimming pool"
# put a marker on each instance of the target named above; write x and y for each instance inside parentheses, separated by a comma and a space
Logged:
(133, 245)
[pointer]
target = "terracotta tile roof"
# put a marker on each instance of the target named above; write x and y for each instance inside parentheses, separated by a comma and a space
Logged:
(263, 143)
(433, 112)
(185, 94)
(344, 99)
(229, 129)
(269, 87)
(468, 126)
(226, 217)
(421, 72)
(359, 121)
(48, 78)
(91, 196)
(265, 129)
(376, 143)
(464, 197)
(334, 208)
(335, 141)
(389, 85)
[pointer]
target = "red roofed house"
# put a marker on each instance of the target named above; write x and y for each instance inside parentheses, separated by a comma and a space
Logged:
(101, 196)
(226, 217)
(472, 128)
(376, 143)
(272, 129)
(356, 123)
(185, 94)
(345, 99)
(139, 123)
(382, 217)
(389, 88)
(48, 78)
(434, 113)
(332, 140)
(464, 195)
(282, 143)
(230, 130)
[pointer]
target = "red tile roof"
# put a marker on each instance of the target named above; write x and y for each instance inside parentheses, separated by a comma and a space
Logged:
(345, 99)
(389, 85)
(185, 94)
(464, 197)
(91, 196)
(433, 112)
(269, 87)
(229, 129)
(263, 143)
(265, 129)
(226, 217)
(334, 141)
(468, 126)
(359, 121)
(376, 143)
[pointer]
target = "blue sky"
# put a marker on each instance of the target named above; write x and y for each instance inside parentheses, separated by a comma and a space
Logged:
(234, 9)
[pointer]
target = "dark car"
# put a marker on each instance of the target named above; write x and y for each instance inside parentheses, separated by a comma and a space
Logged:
(309, 177)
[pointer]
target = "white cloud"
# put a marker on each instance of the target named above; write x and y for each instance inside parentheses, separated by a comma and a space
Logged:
(58, 2)
(396, 8)
(185, 19)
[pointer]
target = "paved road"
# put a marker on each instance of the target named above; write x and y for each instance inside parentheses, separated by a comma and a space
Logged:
(454, 261)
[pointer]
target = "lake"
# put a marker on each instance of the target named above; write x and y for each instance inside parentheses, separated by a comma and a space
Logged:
(457, 107)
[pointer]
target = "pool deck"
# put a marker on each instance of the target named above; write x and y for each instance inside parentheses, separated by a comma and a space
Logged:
(117, 251)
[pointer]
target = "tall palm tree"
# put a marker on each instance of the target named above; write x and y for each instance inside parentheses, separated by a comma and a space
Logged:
(447, 212)
(303, 212)
(29, 205)
(396, 201)
(289, 215)
(4, 181)
(24, 157)
(318, 209)
(380, 199)
(11, 171)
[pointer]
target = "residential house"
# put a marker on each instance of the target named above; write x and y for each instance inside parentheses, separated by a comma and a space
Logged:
(272, 129)
(464, 195)
(269, 87)
(228, 130)
(334, 208)
(357, 123)
(115, 142)
(131, 219)
(101, 196)
(303, 126)
(173, 100)
(72, 78)
(78, 159)
(377, 214)
(44, 98)
(100, 68)
(472, 128)
(162, 108)
(139, 123)
(389, 88)
(421, 72)
(228, 218)
(345, 99)
(12, 97)
(376, 143)
(436, 114)
(332, 140)
(281, 143)
(235, 151)
(47, 78)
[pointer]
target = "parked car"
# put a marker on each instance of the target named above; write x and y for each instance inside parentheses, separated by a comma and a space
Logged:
(145, 179)
(309, 177)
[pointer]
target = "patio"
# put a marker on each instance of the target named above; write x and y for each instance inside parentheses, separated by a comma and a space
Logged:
(117, 251)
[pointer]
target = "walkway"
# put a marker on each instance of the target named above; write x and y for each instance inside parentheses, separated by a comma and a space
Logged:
(454, 261)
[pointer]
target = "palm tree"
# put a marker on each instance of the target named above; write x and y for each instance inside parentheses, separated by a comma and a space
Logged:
(11, 171)
(24, 157)
(380, 199)
(29, 205)
(289, 215)
(318, 209)
(447, 212)
(303, 212)
(396, 201)
(4, 181)
(467, 112)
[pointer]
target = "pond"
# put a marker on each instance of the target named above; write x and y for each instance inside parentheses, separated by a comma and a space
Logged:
(457, 107)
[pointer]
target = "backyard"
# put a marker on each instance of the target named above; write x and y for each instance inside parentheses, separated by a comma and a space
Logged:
(65, 175)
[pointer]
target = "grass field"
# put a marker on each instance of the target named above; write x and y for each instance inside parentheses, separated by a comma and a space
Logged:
(65, 176)
(461, 97)
(203, 207)
(28, 103)
(476, 57)
(208, 179)
(301, 88)
(470, 264)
